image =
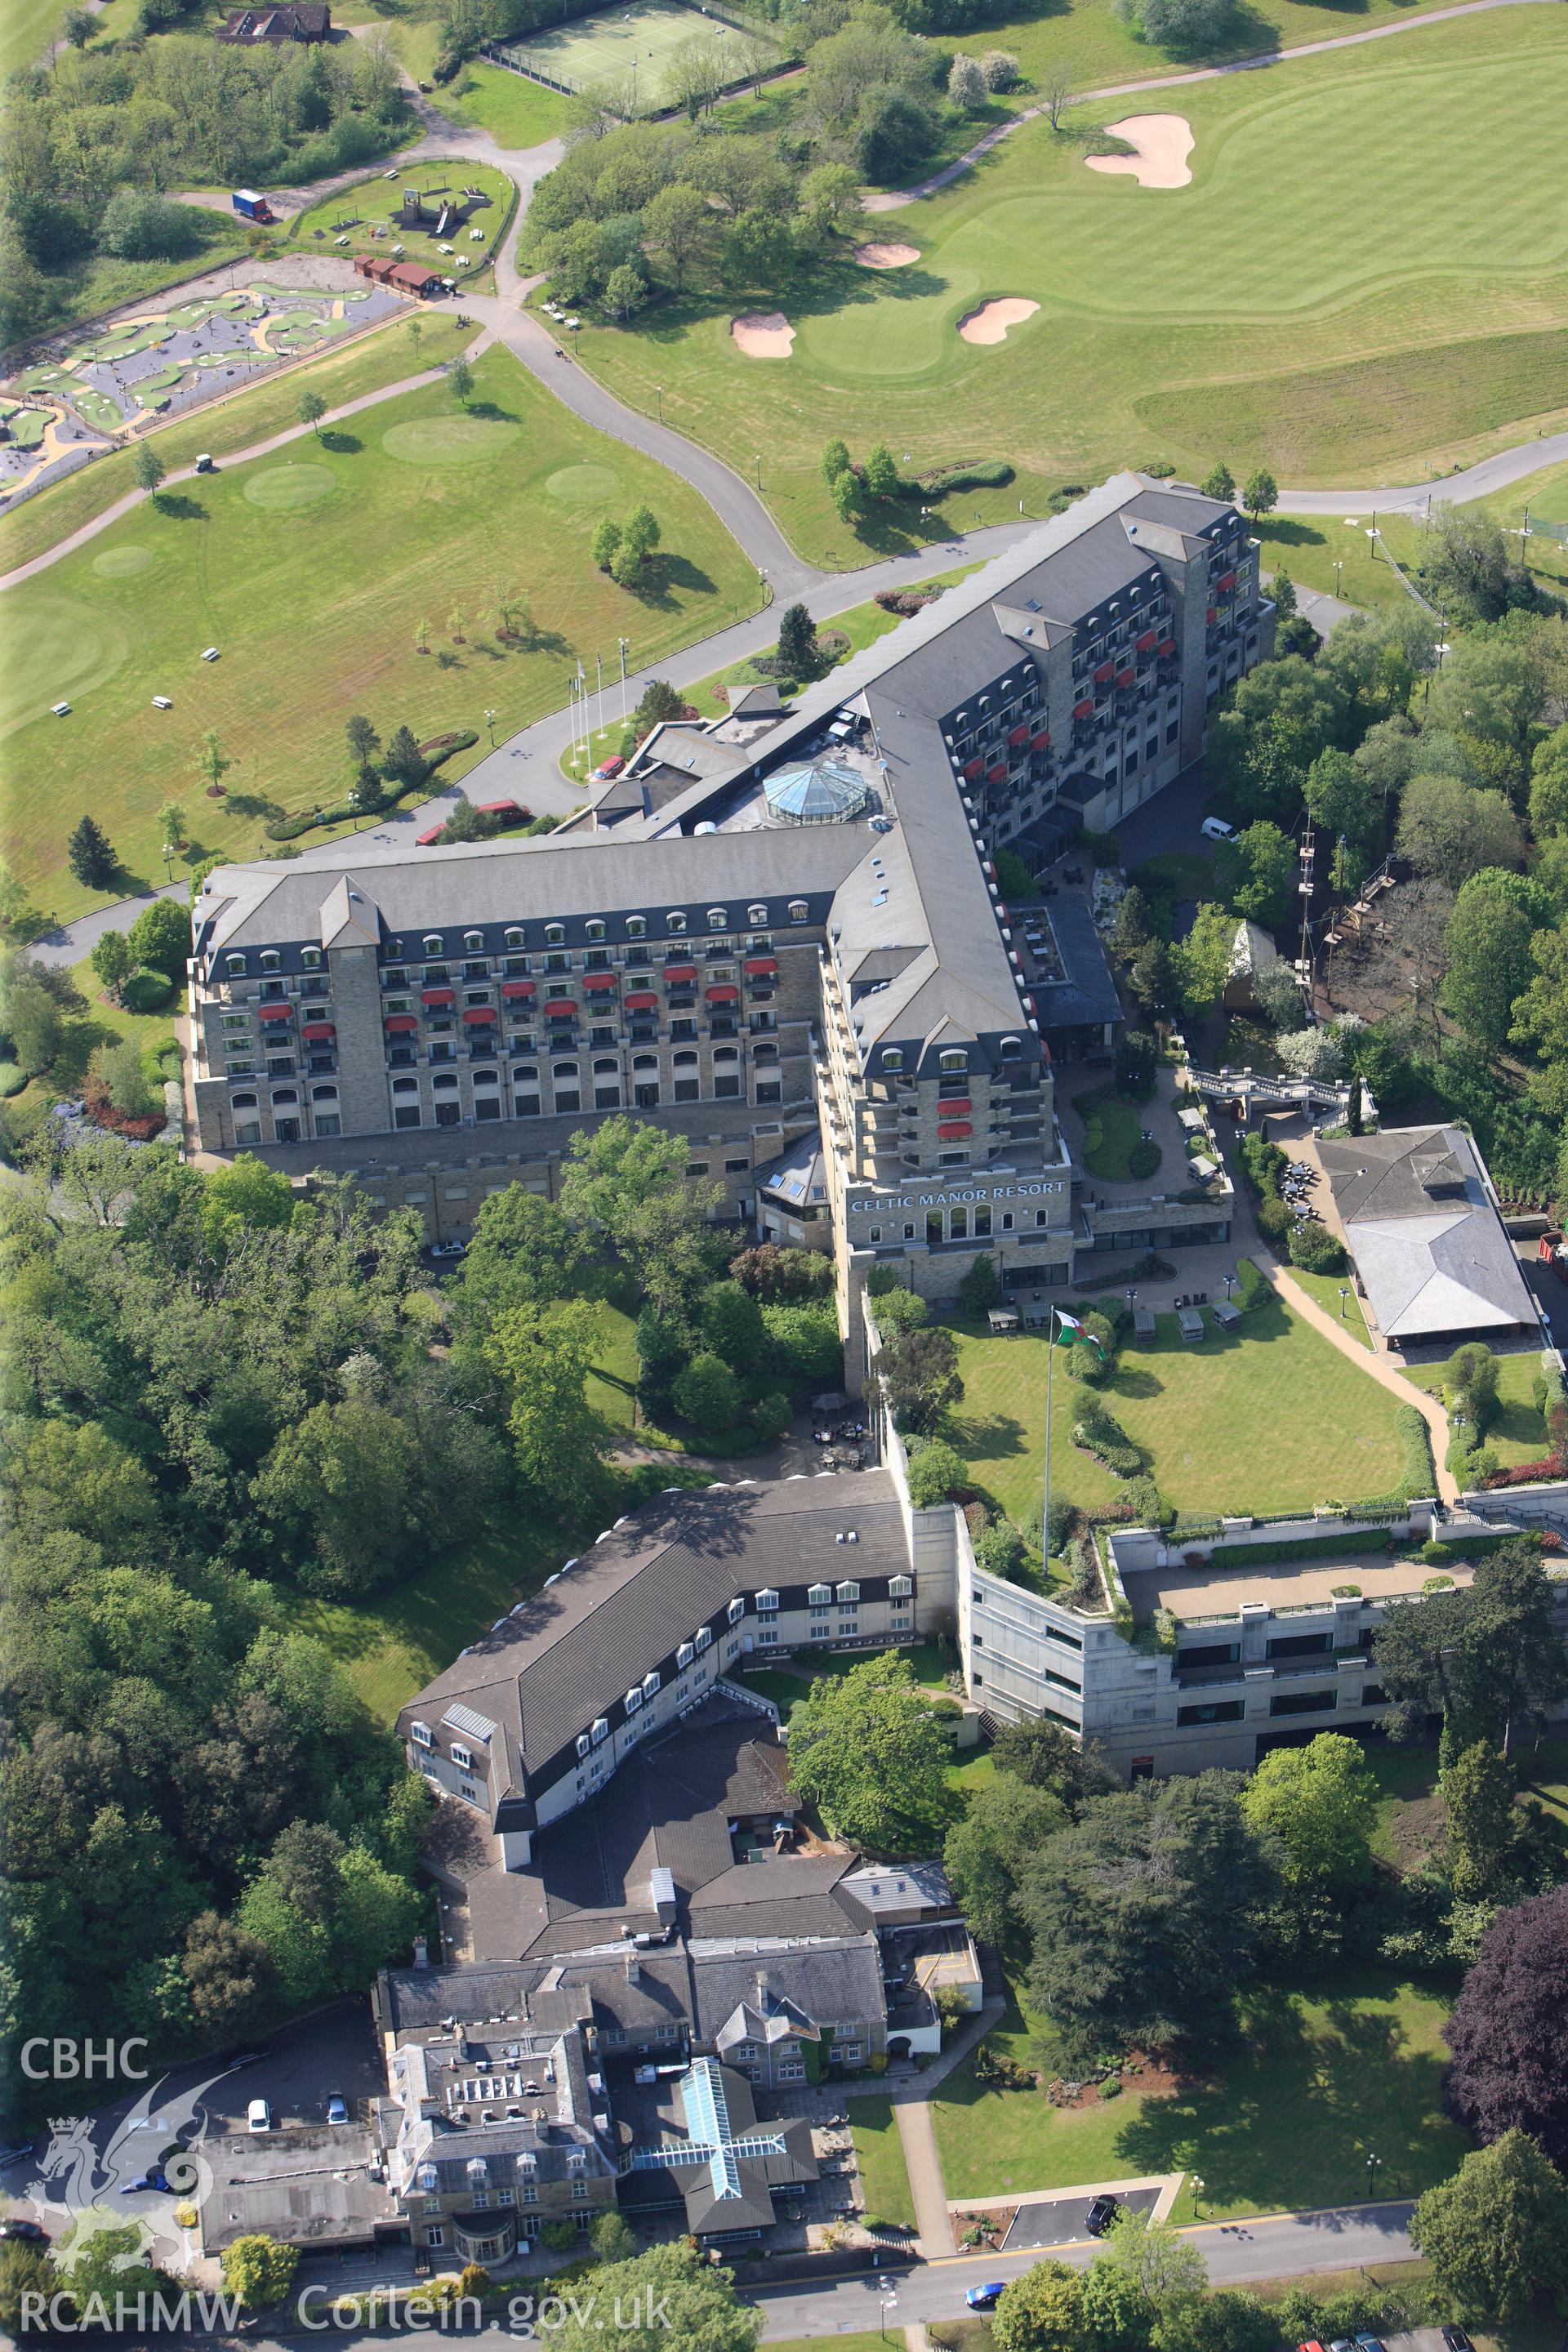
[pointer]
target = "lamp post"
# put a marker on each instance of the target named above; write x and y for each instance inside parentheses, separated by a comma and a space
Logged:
(1197, 2192)
(1338, 567)
(1229, 1285)
(762, 587)
(491, 723)
(886, 2302)
(1344, 1294)
(757, 461)
(1373, 2166)
(626, 648)
(659, 389)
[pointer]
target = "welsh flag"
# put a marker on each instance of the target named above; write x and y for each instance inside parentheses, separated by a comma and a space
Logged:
(1072, 1331)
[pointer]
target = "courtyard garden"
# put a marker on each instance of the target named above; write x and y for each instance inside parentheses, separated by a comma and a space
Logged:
(353, 550)
(1268, 1418)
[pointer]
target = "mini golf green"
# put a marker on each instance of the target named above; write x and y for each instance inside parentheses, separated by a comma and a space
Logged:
(583, 485)
(28, 427)
(285, 486)
(162, 379)
(96, 408)
(123, 562)
(454, 441)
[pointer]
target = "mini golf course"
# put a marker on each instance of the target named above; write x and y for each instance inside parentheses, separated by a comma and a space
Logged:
(312, 569)
(1236, 315)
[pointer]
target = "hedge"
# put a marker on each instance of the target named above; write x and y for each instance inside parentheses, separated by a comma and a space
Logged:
(975, 474)
(438, 748)
(1253, 1284)
(1098, 1433)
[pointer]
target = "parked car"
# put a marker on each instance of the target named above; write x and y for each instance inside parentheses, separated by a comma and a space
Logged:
(1100, 2215)
(984, 2298)
(1313, 2346)
(1456, 2340)
(1215, 828)
(28, 2232)
(608, 768)
(156, 2178)
(259, 2115)
(13, 2153)
(428, 840)
(337, 2108)
(1369, 2344)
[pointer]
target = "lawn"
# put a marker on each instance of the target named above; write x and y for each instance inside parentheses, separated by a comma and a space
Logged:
(1325, 1290)
(1321, 2076)
(29, 26)
(786, 1690)
(1519, 1432)
(516, 112)
(1270, 1418)
(880, 2153)
(312, 570)
(1410, 1816)
(238, 421)
(1111, 1126)
(1300, 302)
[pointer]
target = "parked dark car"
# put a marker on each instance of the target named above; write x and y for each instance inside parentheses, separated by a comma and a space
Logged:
(1100, 2215)
(983, 2298)
(28, 2232)
(1456, 2340)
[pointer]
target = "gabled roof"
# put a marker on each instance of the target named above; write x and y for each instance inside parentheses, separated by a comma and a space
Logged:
(1424, 1232)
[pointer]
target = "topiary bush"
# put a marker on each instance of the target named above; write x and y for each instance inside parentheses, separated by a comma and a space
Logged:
(1144, 1158)
(146, 991)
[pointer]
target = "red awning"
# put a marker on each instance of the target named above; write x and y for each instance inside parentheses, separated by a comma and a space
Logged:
(600, 980)
(958, 1107)
(1167, 647)
(1042, 742)
(996, 774)
(435, 996)
(284, 1012)
(951, 1133)
(1018, 735)
(1084, 709)
(1128, 676)
(761, 967)
(724, 992)
(642, 1000)
(1226, 582)
(517, 988)
(560, 1008)
(972, 768)
(1146, 641)
(680, 972)
(316, 1030)
(1103, 672)
(1211, 615)
(479, 1015)
(399, 1021)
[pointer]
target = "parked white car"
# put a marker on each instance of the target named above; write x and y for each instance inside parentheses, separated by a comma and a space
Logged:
(259, 2115)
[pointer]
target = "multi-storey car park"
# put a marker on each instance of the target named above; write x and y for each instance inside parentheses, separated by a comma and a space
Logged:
(781, 936)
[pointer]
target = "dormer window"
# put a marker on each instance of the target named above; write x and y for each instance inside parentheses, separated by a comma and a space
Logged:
(820, 1595)
(583, 1743)
(270, 960)
(310, 958)
(675, 923)
(900, 1588)
(798, 910)
(717, 918)
(514, 936)
(234, 965)
(684, 1656)
(595, 930)
(953, 1061)
(434, 944)
(847, 1592)
(736, 1611)
(554, 935)
(767, 1602)
(633, 1699)
(704, 1637)
(1011, 1048)
(649, 1685)
(637, 927)
(473, 941)
(599, 1729)
(463, 1756)
(420, 1735)
(893, 1059)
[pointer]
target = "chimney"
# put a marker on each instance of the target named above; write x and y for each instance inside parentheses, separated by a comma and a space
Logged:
(421, 1953)
(761, 1988)
(634, 1968)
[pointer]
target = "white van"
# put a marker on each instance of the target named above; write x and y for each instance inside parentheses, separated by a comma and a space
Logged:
(259, 2115)
(1215, 828)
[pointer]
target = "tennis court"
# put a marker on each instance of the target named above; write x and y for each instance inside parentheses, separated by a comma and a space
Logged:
(628, 43)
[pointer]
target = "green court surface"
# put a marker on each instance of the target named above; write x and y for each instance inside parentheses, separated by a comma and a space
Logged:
(97, 409)
(317, 601)
(1303, 301)
(28, 426)
(622, 41)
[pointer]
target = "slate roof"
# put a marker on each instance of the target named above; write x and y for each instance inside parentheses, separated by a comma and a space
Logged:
(1425, 1234)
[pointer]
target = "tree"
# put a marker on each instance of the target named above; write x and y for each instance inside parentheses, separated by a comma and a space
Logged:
(1496, 2235)
(966, 84)
(403, 764)
(1058, 88)
(1549, 783)
(37, 1031)
(112, 961)
(835, 461)
(868, 1751)
(1486, 1658)
(91, 857)
(228, 1976)
(1258, 871)
(879, 476)
(1042, 1755)
(24, 2271)
(1510, 2067)
(311, 409)
(981, 1285)
(544, 1353)
(149, 466)
(1468, 562)
(1261, 495)
(1000, 67)
(1485, 1825)
(798, 647)
(1470, 1380)
(246, 1197)
(1166, 2268)
(1448, 828)
(844, 490)
(1115, 2317)
(937, 1472)
(524, 1250)
(161, 937)
(612, 2240)
(606, 543)
(695, 2303)
(1318, 1803)
(732, 1325)
(116, 1069)
(705, 1393)
(639, 535)
(1005, 1822)
(1041, 2311)
(1541, 1019)
(344, 1488)
(917, 1377)
(460, 381)
(1220, 482)
(1144, 1914)
(626, 1181)
(679, 224)
(363, 741)
(258, 2270)
(1490, 964)
(366, 793)
(1344, 800)
(1201, 963)
(626, 290)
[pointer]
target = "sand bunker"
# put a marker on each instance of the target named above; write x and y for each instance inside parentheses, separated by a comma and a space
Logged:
(990, 323)
(1162, 143)
(763, 335)
(885, 257)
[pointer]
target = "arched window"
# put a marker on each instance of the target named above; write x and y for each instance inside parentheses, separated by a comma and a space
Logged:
(645, 1061)
(1011, 1048)
(953, 1061)
(726, 1053)
(564, 1069)
(637, 927)
(270, 960)
(764, 1053)
(717, 918)
(234, 965)
(486, 1078)
(524, 1074)
(445, 1085)
(893, 1059)
(310, 958)
(284, 1095)
(757, 915)
(798, 910)
(514, 936)
(433, 944)
(685, 1061)
(243, 1102)
(554, 935)
(595, 930)
(323, 1094)
(473, 941)
(675, 923)
(404, 1086)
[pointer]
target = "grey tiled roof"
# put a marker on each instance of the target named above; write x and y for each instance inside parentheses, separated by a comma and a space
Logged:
(1428, 1243)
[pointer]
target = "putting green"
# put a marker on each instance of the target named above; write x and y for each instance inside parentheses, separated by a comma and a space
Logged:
(583, 485)
(123, 562)
(454, 441)
(285, 486)
(67, 647)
